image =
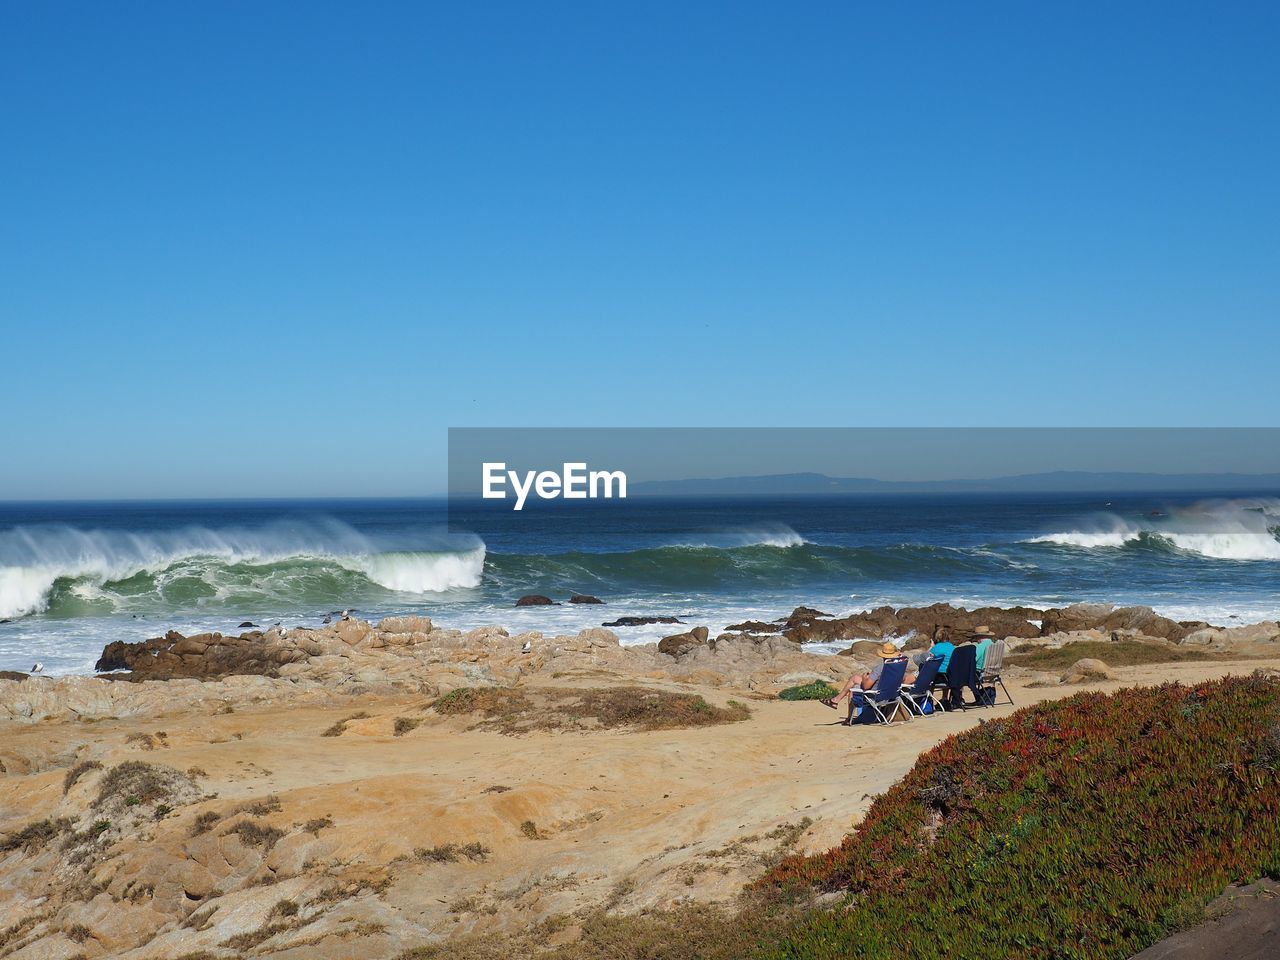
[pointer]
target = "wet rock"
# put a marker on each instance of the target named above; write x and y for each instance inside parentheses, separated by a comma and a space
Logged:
(584, 598)
(640, 621)
(680, 644)
(535, 600)
(752, 626)
(247, 625)
(12, 675)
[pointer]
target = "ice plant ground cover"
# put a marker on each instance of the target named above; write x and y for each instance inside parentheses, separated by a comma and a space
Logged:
(1085, 828)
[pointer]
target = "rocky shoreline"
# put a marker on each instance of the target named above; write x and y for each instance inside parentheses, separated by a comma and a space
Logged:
(358, 789)
(352, 657)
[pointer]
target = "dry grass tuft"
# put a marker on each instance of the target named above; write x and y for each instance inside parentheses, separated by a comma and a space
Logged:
(340, 727)
(452, 852)
(1115, 653)
(34, 836)
(75, 773)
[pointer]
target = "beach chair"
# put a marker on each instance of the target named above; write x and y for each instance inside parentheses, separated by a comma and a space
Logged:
(921, 692)
(883, 696)
(962, 672)
(990, 677)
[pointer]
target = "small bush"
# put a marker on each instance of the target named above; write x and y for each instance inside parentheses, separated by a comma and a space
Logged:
(405, 724)
(256, 834)
(135, 783)
(77, 932)
(75, 773)
(317, 824)
(817, 690)
(205, 822)
(530, 830)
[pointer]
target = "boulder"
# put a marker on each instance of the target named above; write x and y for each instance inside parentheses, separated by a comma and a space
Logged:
(584, 598)
(535, 600)
(680, 644)
(1087, 670)
(205, 655)
(405, 625)
(1227, 638)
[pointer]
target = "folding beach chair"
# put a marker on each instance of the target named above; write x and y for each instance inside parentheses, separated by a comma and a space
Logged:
(991, 668)
(883, 697)
(921, 692)
(962, 672)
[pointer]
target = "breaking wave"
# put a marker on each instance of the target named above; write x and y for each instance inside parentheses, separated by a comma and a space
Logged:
(66, 571)
(1241, 529)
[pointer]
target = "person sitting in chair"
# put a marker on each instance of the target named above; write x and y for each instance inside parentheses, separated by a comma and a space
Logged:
(867, 681)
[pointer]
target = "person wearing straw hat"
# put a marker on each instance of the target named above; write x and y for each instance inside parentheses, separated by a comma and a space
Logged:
(868, 680)
(983, 637)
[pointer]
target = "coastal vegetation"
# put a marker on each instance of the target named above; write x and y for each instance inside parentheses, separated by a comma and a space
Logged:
(1089, 827)
(815, 690)
(514, 711)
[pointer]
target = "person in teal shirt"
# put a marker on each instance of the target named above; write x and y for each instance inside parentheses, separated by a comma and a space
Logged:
(984, 638)
(944, 648)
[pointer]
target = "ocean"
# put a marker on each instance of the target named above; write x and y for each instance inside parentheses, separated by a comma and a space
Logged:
(75, 576)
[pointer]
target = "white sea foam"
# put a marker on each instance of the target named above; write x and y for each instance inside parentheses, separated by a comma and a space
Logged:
(422, 572)
(764, 535)
(1241, 529)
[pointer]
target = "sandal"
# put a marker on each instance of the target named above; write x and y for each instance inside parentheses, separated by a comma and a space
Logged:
(829, 703)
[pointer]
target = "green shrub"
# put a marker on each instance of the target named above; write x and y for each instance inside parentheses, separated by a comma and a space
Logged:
(817, 690)
(1086, 829)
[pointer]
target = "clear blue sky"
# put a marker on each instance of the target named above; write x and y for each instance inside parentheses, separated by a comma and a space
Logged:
(276, 249)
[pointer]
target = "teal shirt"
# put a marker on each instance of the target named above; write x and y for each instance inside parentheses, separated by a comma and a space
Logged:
(983, 646)
(943, 649)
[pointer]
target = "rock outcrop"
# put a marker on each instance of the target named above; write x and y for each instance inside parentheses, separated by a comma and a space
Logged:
(640, 621)
(1106, 616)
(809, 626)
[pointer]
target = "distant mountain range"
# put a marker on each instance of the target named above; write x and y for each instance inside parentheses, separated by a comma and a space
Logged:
(1062, 481)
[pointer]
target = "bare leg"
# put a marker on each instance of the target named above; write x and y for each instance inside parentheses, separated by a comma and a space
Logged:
(854, 682)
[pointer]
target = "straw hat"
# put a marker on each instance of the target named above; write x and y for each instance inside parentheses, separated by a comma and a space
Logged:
(888, 651)
(984, 631)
